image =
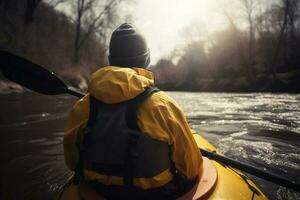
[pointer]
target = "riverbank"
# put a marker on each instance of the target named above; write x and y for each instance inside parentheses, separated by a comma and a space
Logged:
(10, 87)
(280, 83)
(288, 82)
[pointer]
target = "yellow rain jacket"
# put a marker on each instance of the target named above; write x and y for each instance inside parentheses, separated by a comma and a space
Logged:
(159, 116)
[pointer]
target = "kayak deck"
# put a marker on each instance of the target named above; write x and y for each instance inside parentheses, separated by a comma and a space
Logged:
(231, 184)
(216, 182)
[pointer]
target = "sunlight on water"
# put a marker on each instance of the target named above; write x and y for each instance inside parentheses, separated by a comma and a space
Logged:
(259, 129)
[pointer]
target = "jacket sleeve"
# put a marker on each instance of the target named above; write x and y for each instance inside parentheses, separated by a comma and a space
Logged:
(165, 121)
(77, 120)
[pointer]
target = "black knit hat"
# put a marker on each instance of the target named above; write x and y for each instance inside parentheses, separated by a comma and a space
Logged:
(128, 48)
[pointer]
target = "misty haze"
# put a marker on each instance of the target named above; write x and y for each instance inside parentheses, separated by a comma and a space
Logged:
(232, 65)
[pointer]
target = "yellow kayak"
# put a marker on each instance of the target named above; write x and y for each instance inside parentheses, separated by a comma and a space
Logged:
(216, 182)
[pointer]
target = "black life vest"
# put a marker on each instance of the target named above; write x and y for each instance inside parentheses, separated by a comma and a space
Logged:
(114, 145)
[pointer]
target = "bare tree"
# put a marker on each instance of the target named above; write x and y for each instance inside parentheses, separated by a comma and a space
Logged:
(3, 8)
(248, 8)
(90, 16)
(236, 32)
(31, 6)
(55, 3)
(287, 29)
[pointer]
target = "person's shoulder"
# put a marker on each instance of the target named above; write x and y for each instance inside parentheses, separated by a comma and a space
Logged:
(79, 113)
(81, 104)
(161, 96)
(160, 99)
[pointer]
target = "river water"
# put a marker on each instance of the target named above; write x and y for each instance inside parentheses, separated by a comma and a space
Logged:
(260, 129)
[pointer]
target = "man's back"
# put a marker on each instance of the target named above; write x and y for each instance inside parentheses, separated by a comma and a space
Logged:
(158, 117)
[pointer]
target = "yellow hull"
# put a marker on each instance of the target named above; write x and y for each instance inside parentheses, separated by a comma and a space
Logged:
(229, 184)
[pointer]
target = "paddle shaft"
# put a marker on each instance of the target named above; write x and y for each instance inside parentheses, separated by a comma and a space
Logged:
(251, 170)
(74, 92)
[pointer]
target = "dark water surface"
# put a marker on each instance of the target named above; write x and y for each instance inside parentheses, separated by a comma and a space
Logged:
(259, 129)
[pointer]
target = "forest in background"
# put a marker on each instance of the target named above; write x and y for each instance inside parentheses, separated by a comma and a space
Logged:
(264, 55)
(71, 46)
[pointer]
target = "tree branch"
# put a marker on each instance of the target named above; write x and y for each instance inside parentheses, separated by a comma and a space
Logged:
(108, 7)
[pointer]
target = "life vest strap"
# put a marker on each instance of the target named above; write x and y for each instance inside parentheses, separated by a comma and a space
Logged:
(133, 106)
(131, 118)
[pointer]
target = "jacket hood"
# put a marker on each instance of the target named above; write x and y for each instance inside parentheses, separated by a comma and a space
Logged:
(117, 84)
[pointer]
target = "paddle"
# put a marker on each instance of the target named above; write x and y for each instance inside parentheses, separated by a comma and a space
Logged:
(251, 170)
(33, 76)
(36, 78)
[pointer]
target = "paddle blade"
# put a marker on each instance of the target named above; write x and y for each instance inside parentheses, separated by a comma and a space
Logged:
(30, 75)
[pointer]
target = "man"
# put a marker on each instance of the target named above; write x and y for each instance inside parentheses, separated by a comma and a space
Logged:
(125, 138)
